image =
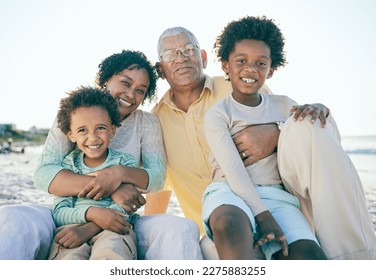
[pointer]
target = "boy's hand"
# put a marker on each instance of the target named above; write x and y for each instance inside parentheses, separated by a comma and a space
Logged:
(76, 235)
(270, 230)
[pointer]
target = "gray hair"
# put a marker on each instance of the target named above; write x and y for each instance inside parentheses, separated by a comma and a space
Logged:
(175, 31)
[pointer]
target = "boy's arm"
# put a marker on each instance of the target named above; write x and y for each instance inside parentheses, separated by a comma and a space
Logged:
(225, 153)
(74, 236)
(64, 212)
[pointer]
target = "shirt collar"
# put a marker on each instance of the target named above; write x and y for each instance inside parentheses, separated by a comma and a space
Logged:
(208, 89)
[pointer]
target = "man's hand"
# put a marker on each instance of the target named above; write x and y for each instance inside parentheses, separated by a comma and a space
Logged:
(316, 111)
(256, 142)
(129, 197)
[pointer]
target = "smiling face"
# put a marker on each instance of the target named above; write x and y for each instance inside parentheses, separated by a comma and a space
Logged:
(91, 129)
(248, 66)
(184, 71)
(129, 88)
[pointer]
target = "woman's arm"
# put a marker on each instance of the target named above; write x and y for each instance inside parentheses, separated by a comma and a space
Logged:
(153, 153)
(152, 159)
(50, 167)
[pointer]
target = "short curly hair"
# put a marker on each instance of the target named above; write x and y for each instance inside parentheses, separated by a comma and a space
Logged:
(128, 59)
(86, 97)
(252, 28)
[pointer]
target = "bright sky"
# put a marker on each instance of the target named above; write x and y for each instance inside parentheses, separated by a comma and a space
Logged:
(49, 47)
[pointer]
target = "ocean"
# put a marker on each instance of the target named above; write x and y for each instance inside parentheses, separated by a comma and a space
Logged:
(16, 171)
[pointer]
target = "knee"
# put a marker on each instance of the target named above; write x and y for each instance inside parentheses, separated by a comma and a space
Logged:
(304, 130)
(167, 226)
(13, 214)
(302, 127)
(226, 223)
(186, 226)
(5, 212)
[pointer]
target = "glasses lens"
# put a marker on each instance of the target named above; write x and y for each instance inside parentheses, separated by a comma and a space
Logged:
(188, 50)
(170, 55)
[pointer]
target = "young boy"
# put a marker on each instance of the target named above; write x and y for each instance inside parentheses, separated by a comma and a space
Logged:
(89, 117)
(248, 204)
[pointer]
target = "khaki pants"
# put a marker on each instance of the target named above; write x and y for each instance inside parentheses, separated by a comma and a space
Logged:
(315, 168)
(106, 245)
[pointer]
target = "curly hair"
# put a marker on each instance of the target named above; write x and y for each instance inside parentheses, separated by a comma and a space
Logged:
(128, 59)
(251, 28)
(86, 97)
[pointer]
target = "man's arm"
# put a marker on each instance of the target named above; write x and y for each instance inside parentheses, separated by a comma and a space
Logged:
(256, 142)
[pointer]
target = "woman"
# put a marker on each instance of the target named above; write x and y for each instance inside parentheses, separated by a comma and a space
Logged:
(131, 79)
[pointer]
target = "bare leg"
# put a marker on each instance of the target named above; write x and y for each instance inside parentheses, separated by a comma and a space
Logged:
(302, 250)
(232, 233)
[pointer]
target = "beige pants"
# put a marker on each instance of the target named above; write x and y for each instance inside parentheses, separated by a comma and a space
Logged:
(315, 168)
(106, 245)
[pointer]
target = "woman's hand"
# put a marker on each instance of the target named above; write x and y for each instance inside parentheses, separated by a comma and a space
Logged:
(129, 197)
(316, 110)
(104, 183)
(270, 230)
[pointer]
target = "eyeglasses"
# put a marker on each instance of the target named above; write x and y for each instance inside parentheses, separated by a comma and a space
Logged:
(172, 54)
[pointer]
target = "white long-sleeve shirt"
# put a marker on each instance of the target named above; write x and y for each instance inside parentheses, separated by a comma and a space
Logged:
(222, 121)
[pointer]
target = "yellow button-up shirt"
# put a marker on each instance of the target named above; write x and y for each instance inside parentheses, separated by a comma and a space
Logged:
(188, 167)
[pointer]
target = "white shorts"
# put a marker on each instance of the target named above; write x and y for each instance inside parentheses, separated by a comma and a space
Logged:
(283, 206)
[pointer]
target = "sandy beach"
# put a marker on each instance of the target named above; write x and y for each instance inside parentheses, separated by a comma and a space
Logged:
(16, 171)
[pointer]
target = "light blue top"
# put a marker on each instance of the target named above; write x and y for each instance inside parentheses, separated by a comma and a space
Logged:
(72, 210)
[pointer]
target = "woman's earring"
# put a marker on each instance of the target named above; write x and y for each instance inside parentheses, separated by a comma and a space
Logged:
(227, 77)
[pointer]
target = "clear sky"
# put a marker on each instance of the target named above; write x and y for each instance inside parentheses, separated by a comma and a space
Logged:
(49, 47)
